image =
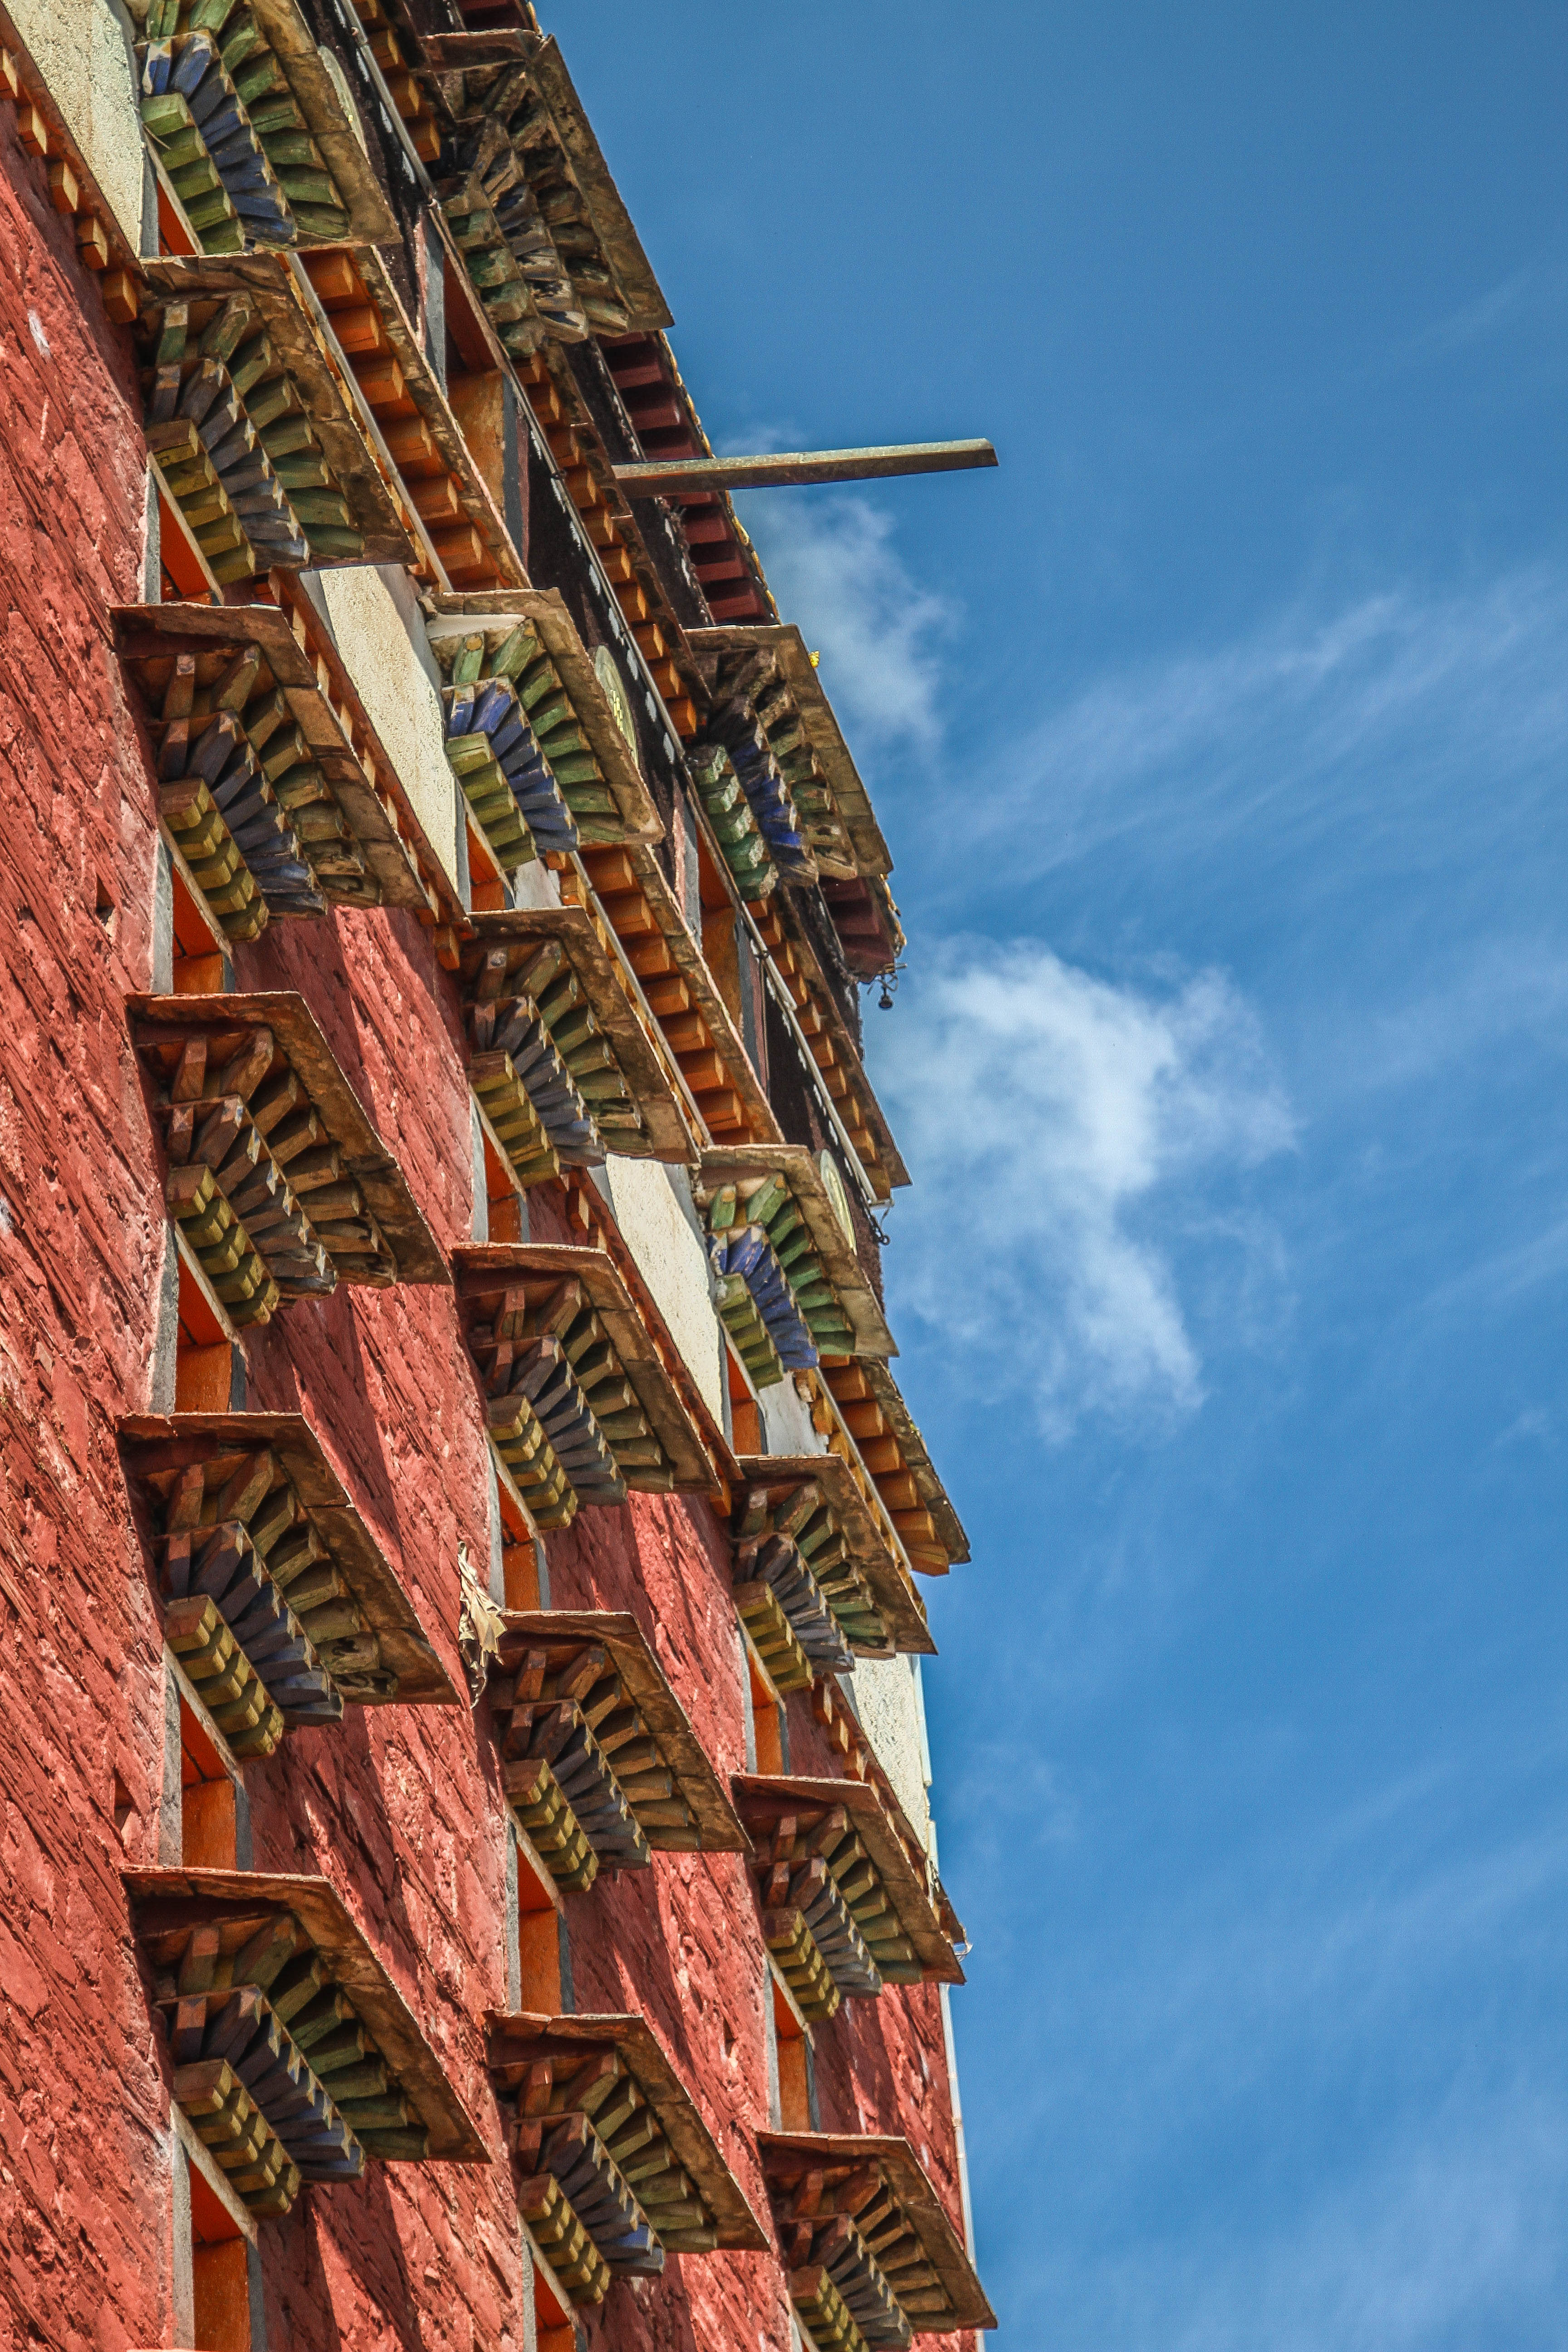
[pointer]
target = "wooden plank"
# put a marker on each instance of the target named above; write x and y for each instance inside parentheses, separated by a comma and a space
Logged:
(164, 1899)
(675, 474)
(519, 2039)
(661, 1711)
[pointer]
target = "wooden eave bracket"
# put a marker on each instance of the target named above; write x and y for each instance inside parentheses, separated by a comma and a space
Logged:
(787, 2156)
(163, 1902)
(461, 617)
(618, 241)
(446, 54)
(516, 2041)
(912, 1446)
(648, 1689)
(423, 388)
(151, 1443)
(573, 929)
(36, 92)
(849, 1056)
(648, 877)
(160, 1019)
(649, 1356)
(331, 402)
(727, 1163)
(144, 633)
(370, 219)
(896, 1597)
(764, 1799)
(833, 754)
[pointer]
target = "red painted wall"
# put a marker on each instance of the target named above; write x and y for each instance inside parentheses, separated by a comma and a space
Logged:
(81, 1241)
(400, 1809)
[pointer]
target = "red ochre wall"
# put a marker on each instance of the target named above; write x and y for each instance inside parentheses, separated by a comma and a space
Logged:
(85, 2178)
(400, 1809)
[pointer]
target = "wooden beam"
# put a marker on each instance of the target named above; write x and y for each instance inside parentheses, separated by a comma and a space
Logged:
(652, 481)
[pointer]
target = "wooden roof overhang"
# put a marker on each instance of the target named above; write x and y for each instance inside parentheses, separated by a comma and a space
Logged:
(725, 562)
(546, 968)
(239, 715)
(831, 1292)
(259, 1116)
(259, 71)
(585, 748)
(616, 2165)
(793, 1821)
(834, 1048)
(293, 41)
(295, 2056)
(575, 242)
(241, 1502)
(769, 663)
(464, 539)
(619, 530)
(867, 921)
(559, 1322)
(862, 2231)
(802, 1516)
(599, 1760)
(642, 910)
(260, 435)
(896, 1458)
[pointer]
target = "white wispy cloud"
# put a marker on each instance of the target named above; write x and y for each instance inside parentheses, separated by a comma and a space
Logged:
(1061, 1128)
(1346, 729)
(833, 566)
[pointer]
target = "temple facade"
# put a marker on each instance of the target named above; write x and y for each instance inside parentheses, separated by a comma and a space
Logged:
(467, 1873)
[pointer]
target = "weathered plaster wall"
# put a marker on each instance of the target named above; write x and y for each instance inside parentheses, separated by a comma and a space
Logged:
(653, 1209)
(82, 48)
(375, 624)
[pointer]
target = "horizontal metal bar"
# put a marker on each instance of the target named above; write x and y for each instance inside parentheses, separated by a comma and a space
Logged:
(805, 466)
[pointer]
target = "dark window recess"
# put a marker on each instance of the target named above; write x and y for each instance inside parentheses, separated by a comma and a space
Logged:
(615, 416)
(816, 921)
(602, 400)
(790, 1091)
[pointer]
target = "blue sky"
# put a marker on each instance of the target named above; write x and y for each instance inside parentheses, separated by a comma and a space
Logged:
(1222, 738)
